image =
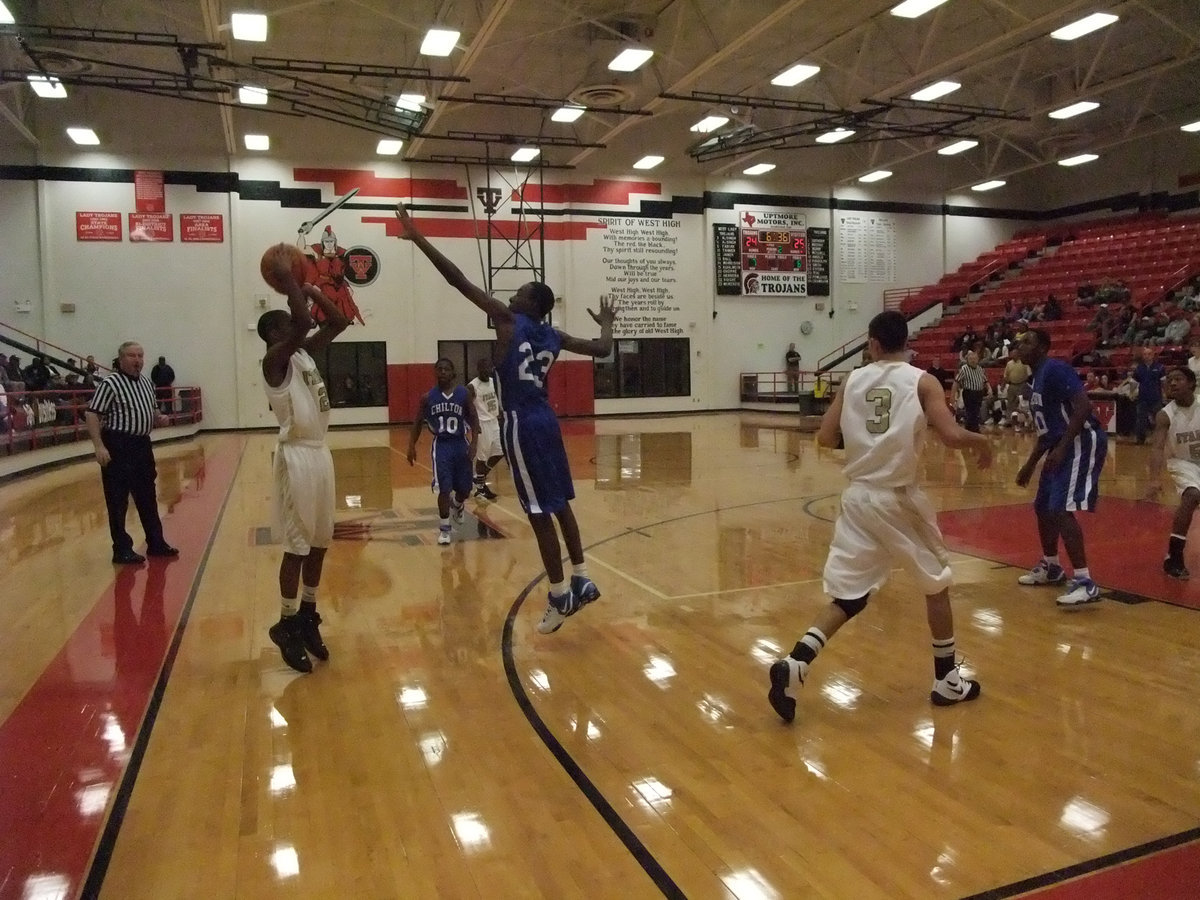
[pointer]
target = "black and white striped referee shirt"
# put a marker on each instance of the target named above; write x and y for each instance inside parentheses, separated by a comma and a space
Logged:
(125, 404)
(971, 379)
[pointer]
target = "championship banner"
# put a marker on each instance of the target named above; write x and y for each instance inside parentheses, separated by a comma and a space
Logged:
(148, 193)
(98, 226)
(773, 247)
(201, 228)
(151, 227)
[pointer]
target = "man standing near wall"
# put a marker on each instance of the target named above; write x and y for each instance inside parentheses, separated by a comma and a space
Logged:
(119, 418)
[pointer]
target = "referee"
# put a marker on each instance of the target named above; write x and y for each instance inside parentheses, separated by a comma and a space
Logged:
(971, 383)
(119, 418)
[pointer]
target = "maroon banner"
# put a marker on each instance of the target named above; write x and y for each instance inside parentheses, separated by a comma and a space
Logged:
(201, 228)
(150, 227)
(97, 226)
(148, 194)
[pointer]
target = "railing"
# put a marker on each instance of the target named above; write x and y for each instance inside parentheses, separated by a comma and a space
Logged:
(38, 347)
(811, 390)
(32, 420)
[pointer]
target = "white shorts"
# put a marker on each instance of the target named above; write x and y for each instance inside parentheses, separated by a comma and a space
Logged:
(1185, 473)
(304, 499)
(880, 528)
(488, 444)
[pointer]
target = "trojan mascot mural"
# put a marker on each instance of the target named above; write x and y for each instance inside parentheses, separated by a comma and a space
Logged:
(331, 265)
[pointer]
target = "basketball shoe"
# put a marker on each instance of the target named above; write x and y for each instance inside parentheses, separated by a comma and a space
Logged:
(1176, 569)
(285, 634)
(483, 492)
(456, 513)
(1080, 592)
(443, 536)
(557, 611)
(953, 689)
(784, 673)
(310, 633)
(585, 589)
(1044, 573)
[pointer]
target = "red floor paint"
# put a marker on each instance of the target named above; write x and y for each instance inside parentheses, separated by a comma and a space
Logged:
(1170, 875)
(1125, 540)
(66, 745)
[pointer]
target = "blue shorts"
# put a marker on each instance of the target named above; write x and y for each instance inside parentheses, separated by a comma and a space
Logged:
(1075, 485)
(451, 466)
(533, 444)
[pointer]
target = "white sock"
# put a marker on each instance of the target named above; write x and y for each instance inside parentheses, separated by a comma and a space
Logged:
(579, 569)
(1083, 573)
(289, 606)
(558, 589)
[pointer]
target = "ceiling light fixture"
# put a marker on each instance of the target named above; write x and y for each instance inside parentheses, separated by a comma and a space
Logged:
(257, 142)
(832, 137)
(877, 175)
(249, 26)
(411, 102)
(759, 169)
(989, 185)
(648, 162)
(1190, 126)
(568, 113)
(48, 87)
(439, 42)
(6, 18)
(1074, 109)
(83, 136)
(910, 9)
(630, 58)
(525, 154)
(935, 90)
(388, 147)
(958, 147)
(796, 74)
(709, 123)
(1083, 26)
(1078, 160)
(252, 96)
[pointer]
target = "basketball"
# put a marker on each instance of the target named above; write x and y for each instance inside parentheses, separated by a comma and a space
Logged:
(277, 261)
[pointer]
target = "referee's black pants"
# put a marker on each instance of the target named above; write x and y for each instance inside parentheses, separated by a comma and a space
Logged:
(130, 473)
(972, 405)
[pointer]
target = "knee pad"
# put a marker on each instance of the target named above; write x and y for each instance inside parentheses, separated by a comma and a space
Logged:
(851, 607)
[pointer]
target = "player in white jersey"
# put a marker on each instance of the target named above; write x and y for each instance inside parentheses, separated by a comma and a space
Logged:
(488, 452)
(881, 415)
(1176, 441)
(303, 466)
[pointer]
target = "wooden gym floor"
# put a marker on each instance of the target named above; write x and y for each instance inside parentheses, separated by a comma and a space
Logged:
(155, 746)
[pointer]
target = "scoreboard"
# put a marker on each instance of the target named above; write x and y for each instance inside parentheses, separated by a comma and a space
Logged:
(774, 251)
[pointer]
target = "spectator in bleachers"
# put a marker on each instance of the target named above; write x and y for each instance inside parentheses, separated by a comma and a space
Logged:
(14, 368)
(1193, 362)
(90, 370)
(944, 376)
(1086, 295)
(1141, 326)
(1103, 324)
(964, 341)
(1052, 311)
(1177, 329)
(1148, 374)
(1011, 313)
(5, 381)
(36, 375)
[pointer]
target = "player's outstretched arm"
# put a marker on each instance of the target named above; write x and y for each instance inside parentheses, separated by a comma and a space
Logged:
(949, 432)
(333, 324)
(601, 346)
(452, 273)
(1158, 454)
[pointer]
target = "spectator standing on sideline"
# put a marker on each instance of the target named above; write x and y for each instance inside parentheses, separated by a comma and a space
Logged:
(303, 467)
(488, 452)
(119, 419)
(1149, 374)
(450, 415)
(163, 377)
(885, 519)
(791, 362)
(971, 384)
(526, 347)
(1176, 442)
(1074, 444)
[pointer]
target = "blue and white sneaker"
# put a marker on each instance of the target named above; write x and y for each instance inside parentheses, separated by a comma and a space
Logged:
(585, 589)
(557, 612)
(1080, 592)
(1043, 573)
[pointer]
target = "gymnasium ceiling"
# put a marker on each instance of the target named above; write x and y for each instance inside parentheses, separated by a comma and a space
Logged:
(155, 77)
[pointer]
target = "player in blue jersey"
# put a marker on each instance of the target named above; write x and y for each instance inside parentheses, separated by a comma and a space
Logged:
(526, 348)
(450, 416)
(1074, 444)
